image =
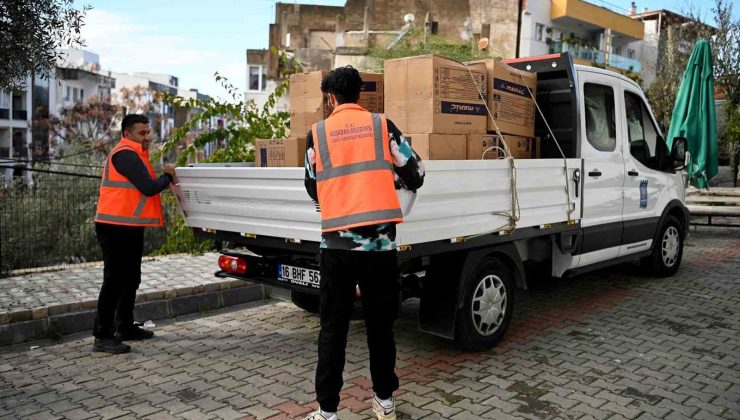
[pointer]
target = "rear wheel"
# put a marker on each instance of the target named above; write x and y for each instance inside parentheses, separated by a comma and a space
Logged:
(487, 306)
(668, 251)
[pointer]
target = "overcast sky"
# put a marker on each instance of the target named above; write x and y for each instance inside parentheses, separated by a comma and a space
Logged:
(192, 39)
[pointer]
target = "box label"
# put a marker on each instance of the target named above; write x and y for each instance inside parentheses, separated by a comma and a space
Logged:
(459, 108)
(369, 87)
(509, 87)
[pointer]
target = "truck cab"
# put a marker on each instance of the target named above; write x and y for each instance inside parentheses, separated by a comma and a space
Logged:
(632, 183)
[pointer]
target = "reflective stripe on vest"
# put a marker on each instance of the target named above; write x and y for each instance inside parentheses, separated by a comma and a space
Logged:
(361, 217)
(115, 184)
(341, 208)
(330, 172)
(133, 201)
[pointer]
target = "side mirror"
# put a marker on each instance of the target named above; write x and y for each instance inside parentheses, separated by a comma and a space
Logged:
(678, 153)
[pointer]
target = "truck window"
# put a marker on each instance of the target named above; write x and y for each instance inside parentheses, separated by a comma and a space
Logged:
(641, 132)
(600, 120)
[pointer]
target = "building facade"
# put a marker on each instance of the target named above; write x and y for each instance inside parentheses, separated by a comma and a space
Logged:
(592, 34)
(15, 132)
(161, 115)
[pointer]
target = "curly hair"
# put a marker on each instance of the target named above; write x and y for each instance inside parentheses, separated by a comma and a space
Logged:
(344, 83)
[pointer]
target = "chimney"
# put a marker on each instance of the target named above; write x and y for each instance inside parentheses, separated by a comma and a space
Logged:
(633, 9)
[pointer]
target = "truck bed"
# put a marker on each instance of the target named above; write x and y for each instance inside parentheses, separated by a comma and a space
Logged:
(458, 199)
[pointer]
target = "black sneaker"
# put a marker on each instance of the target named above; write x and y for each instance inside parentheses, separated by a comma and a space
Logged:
(110, 345)
(134, 333)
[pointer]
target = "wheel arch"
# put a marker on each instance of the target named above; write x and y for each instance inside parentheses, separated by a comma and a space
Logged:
(678, 210)
(508, 254)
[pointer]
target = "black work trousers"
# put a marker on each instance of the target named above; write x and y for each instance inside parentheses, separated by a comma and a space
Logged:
(122, 248)
(378, 277)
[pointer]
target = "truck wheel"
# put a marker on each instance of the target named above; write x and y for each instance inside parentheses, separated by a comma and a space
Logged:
(305, 301)
(487, 306)
(668, 251)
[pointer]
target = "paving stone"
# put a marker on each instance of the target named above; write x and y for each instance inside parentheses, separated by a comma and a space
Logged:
(612, 344)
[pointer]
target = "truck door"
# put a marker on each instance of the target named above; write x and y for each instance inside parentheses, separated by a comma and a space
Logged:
(645, 154)
(604, 172)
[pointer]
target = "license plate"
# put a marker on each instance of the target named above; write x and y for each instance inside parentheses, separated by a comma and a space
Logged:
(299, 275)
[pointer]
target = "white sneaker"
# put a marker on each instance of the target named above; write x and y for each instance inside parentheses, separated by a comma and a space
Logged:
(384, 409)
(319, 415)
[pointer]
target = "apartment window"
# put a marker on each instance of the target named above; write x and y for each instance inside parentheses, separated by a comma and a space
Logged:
(618, 50)
(4, 100)
(538, 29)
(68, 94)
(82, 94)
(631, 54)
(75, 94)
(258, 78)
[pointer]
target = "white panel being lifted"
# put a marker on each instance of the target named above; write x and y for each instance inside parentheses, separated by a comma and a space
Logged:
(459, 198)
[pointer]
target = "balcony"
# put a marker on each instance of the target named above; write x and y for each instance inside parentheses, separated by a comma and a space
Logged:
(589, 55)
(20, 114)
(594, 18)
(624, 63)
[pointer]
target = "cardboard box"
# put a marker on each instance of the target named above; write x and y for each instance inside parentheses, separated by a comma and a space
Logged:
(280, 153)
(509, 100)
(520, 147)
(308, 104)
(438, 146)
(432, 94)
(478, 143)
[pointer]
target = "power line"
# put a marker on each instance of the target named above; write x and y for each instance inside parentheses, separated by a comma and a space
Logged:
(48, 162)
(51, 172)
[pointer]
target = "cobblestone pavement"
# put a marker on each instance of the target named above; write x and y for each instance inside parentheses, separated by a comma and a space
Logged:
(613, 344)
(75, 285)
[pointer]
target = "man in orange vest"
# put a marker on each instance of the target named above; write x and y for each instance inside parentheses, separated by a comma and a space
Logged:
(129, 201)
(355, 161)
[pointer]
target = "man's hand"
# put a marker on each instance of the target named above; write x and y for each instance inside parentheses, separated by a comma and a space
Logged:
(169, 169)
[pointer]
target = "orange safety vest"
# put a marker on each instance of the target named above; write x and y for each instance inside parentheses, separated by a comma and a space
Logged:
(120, 203)
(354, 170)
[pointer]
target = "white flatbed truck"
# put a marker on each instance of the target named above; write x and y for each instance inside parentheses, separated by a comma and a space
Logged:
(615, 193)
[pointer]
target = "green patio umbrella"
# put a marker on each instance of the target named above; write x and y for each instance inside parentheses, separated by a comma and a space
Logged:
(694, 116)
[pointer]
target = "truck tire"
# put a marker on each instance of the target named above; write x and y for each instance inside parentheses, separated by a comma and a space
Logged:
(668, 250)
(487, 306)
(305, 301)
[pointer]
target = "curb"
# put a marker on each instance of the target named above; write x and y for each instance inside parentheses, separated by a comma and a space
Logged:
(54, 321)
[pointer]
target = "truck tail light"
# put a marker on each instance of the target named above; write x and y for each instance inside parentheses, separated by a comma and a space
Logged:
(233, 265)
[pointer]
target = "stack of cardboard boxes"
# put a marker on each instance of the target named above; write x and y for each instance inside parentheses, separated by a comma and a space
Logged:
(436, 103)
(308, 106)
(513, 110)
(439, 104)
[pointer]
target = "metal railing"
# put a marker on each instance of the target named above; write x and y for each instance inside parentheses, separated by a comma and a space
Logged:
(48, 223)
(595, 56)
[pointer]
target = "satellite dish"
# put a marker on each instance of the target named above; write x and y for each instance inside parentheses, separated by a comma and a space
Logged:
(409, 18)
(483, 43)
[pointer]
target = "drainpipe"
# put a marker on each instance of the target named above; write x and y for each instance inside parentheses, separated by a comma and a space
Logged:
(520, 7)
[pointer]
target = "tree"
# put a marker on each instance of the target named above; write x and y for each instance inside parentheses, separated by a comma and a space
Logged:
(726, 46)
(416, 43)
(31, 34)
(244, 123)
(92, 125)
(679, 35)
